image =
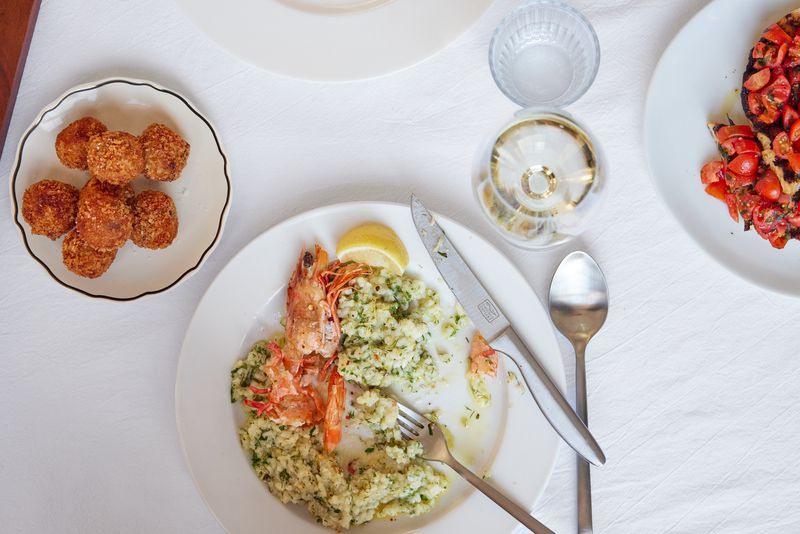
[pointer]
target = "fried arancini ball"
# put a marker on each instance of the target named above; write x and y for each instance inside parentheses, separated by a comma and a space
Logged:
(72, 141)
(155, 220)
(84, 260)
(95, 186)
(50, 207)
(165, 153)
(105, 219)
(115, 157)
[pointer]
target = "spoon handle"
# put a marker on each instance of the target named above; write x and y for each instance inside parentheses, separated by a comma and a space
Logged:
(584, 481)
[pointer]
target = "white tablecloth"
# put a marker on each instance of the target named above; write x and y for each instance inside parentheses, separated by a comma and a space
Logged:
(692, 383)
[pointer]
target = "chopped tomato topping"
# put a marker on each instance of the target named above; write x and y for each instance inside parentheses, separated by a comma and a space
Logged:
(754, 103)
(733, 208)
(790, 116)
(738, 130)
(793, 53)
(747, 204)
(769, 187)
(781, 145)
(794, 162)
(746, 146)
(713, 171)
(717, 190)
(778, 91)
(777, 35)
(736, 181)
(770, 115)
(745, 164)
(781, 55)
(758, 80)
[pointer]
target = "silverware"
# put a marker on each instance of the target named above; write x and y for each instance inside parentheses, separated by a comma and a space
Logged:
(416, 426)
(493, 325)
(578, 307)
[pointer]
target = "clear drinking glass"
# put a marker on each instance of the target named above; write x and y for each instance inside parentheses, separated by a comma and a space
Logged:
(544, 53)
(540, 178)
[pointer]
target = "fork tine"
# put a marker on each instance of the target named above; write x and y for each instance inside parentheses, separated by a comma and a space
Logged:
(405, 434)
(407, 427)
(412, 416)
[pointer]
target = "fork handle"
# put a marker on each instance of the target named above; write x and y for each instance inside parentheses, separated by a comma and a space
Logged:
(519, 513)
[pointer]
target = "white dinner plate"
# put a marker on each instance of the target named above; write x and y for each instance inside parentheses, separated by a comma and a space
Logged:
(334, 39)
(515, 444)
(201, 194)
(693, 83)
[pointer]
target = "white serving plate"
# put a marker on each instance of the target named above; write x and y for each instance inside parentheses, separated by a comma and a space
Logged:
(201, 194)
(693, 83)
(515, 444)
(334, 39)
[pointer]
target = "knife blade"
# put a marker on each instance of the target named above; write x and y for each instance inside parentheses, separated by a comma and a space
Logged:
(488, 318)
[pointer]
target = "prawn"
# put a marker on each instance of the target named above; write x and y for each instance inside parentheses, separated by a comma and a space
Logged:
(311, 325)
(288, 400)
(482, 357)
(332, 423)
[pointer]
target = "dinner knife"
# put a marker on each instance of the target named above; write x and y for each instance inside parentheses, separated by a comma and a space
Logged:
(495, 327)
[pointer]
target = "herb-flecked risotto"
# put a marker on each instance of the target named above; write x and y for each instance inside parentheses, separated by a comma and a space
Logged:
(384, 324)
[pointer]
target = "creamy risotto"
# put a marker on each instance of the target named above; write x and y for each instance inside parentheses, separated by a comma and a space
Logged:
(386, 326)
(386, 323)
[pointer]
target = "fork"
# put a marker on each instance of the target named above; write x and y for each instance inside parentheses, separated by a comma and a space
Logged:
(417, 427)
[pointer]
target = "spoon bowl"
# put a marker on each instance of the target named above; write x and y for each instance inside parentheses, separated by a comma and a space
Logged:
(578, 298)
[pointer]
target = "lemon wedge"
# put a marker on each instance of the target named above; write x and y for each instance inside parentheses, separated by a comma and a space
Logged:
(374, 244)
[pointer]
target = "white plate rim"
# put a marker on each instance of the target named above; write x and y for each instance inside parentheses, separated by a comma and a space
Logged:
(559, 378)
(319, 26)
(16, 212)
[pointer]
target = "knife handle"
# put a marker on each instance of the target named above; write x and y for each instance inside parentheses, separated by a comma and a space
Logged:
(551, 402)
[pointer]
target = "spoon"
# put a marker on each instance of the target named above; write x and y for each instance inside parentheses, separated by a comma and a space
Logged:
(578, 308)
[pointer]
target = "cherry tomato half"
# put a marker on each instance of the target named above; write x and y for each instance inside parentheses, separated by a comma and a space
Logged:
(713, 171)
(781, 145)
(790, 116)
(754, 103)
(764, 55)
(769, 187)
(746, 146)
(794, 162)
(775, 34)
(778, 91)
(747, 204)
(738, 130)
(758, 80)
(770, 113)
(733, 206)
(737, 181)
(794, 219)
(717, 190)
(740, 145)
(794, 52)
(768, 220)
(745, 164)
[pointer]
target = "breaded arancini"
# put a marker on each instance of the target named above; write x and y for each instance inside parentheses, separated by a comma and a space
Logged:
(50, 207)
(115, 157)
(84, 260)
(72, 141)
(95, 186)
(104, 218)
(165, 153)
(155, 220)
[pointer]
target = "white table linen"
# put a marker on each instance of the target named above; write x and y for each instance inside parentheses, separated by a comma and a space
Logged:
(692, 383)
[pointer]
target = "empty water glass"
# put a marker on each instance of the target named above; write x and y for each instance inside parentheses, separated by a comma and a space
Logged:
(544, 53)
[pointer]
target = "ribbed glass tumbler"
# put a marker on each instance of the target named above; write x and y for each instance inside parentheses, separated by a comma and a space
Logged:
(544, 53)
